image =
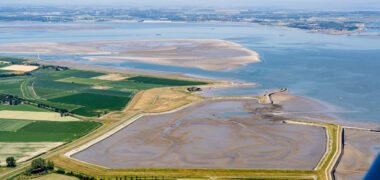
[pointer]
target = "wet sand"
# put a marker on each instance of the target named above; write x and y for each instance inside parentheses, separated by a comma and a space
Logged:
(310, 109)
(360, 150)
(208, 54)
(231, 134)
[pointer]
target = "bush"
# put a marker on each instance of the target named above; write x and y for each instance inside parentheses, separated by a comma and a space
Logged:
(40, 165)
(11, 162)
(60, 171)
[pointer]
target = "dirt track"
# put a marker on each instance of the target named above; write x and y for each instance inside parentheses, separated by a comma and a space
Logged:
(211, 134)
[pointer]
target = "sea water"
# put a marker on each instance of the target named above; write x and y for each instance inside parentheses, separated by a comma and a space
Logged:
(340, 69)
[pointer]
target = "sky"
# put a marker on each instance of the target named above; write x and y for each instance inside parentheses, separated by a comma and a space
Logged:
(223, 4)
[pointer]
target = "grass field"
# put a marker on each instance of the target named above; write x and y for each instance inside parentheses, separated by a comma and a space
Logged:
(22, 151)
(4, 71)
(83, 80)
(68, 107)
(49, 131)
(64, 86)
(23, 107)
(55, 177)
(94, 104)
(131, 85)
(165, 81)
(12, 59)
(30, 115)
(13, 125)
(11, 85)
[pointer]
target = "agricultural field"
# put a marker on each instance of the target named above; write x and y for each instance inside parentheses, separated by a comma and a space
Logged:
(12, 125)
(23, 107)
(85, 93)
(27, 131)
(56, 177)
(47, 131)
(22, 68)
(24, 151)
(14, 60)
(83, 80)
(37, 108)
(38, 116)
(165, 81)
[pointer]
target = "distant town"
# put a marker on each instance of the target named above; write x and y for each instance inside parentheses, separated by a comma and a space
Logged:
(332, 22)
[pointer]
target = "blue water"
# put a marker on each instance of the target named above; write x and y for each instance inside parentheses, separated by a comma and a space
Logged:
(339, 69)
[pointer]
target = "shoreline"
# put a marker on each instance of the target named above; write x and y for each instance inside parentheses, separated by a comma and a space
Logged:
(205, 22)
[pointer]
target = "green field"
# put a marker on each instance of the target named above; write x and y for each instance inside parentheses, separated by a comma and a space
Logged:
(11, 85)
(13, 59)
(60, 85)
(83, 80)
(94, 104)
(23, 107)
(48, 131)
(165, 81)
(12, 125)
(3, 71)
(131, 85)
(75, 91)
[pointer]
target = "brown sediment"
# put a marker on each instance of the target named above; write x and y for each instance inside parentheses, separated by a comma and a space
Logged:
(202, 136)
(208, 54)
(314, 110)
(360, 150)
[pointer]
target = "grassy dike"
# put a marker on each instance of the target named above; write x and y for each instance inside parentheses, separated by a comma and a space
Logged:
(322, 171)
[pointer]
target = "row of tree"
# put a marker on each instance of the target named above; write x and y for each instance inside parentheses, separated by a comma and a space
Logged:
(14, 100)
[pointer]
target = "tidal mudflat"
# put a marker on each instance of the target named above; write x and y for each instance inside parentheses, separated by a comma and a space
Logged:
(231, 134)
(360, 150)
(208, 54)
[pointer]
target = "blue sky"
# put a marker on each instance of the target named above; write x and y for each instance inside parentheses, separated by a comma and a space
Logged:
(260, 4)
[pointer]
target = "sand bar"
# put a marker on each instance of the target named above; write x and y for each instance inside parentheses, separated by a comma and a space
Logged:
(208, 54)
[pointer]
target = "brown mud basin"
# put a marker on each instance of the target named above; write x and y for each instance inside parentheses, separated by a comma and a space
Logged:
(227, 134)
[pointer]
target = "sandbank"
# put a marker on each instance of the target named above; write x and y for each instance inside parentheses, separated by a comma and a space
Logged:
(207, 54)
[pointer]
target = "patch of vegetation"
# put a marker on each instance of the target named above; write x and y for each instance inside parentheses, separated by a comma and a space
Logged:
(165, 81)
(130, 85)
(13, 60)
(23, 107)
(11, 162)
(57, 105)
(4, 71)
(49, 131)
(94, 104)
(11, 85)
(83, 80)
(13, 125)
(80, 73)
(110, 92)
(47, 92)
(64, 86)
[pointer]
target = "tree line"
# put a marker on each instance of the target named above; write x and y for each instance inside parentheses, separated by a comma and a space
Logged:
(14, 100)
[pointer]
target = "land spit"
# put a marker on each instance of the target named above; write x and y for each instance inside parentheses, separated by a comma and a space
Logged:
(224, 133)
